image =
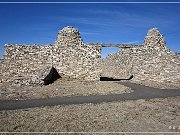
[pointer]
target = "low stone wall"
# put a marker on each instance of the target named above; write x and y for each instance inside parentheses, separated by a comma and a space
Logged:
(151, 62)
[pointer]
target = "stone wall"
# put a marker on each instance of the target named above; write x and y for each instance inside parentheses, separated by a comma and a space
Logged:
(74, 58)
(22, 62)
(70, 56)
(151, 62)
(29, 64)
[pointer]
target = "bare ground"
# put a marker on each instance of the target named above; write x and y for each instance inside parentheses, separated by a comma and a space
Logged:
(61, 88)
(155, 115)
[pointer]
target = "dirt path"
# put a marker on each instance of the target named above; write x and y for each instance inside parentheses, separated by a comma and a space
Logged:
(140, 92)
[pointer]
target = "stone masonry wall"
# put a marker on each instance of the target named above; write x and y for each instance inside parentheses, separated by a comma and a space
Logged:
(70, 56)
(22, 62)
(152, 61)
(74, 58)
(29, 64)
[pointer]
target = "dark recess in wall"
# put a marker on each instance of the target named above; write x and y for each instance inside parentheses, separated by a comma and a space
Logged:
(51, 77)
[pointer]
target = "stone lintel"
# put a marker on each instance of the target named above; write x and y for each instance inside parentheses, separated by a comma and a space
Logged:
(116, 45)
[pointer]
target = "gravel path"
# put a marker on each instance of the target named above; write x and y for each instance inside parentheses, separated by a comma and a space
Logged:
(140, 92)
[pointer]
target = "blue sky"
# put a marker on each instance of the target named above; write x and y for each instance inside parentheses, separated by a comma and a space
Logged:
(101, 23)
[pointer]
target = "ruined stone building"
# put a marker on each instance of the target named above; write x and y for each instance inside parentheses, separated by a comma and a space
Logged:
(152, 61)
(69, 55)
(29, 64)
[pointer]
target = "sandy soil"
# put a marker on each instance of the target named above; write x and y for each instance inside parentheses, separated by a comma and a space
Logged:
(155, 115)
(61, 88)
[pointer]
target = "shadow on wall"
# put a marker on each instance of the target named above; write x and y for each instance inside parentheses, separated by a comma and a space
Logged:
(112, 79)
(51, 77)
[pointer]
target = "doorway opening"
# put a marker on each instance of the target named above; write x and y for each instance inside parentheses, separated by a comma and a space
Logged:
(113, 67)
(108, 51)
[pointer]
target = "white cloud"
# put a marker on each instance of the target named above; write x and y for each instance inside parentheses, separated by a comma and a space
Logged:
(90, 33)
(133, 42)
(135, 19)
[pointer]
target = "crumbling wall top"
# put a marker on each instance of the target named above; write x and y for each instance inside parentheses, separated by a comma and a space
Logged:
(155, 40)
(69, 36)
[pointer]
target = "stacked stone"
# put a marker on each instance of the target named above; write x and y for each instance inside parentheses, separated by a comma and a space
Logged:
(160, 64)
(75, 59)
(22, 62)
(29, 64)
(151, 62)
(120, 64)
(154, 40)
(69, 36)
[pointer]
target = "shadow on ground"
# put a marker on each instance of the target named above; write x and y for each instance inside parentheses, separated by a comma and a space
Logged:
(113, 79)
